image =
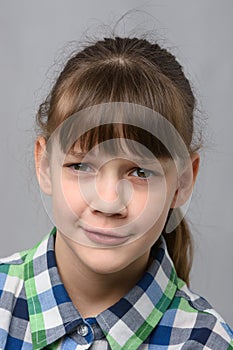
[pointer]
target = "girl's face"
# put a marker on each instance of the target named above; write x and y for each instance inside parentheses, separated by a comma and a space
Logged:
(110, 210)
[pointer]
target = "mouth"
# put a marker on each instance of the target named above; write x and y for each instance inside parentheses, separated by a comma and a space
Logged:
(105, 237)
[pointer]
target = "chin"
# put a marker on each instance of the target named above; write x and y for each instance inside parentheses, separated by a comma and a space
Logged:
(105, 261)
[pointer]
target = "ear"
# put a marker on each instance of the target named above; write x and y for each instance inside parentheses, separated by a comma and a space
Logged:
(42, 165)
(186, 181)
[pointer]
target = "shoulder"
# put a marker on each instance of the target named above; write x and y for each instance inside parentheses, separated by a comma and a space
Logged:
(16, 271)
(205, 325)
(12, 294)
(11, 272)
(14, 268)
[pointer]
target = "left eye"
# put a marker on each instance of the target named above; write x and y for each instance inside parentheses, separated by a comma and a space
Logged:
(142, 173)
(81, 167)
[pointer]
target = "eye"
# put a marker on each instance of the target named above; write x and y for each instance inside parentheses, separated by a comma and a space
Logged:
(80, 167)
(142, 173)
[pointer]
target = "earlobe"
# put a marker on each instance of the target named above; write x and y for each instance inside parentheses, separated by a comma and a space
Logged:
(42, 165)
(186, 181)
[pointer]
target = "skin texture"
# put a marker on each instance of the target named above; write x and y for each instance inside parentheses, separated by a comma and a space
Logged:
(104, 197)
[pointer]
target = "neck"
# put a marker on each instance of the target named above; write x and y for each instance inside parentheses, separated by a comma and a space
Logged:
(92, 292)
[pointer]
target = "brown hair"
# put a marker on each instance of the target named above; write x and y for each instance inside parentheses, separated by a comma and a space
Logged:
(128, 70)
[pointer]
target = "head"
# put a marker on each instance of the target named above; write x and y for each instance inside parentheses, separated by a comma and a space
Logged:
(128, 70)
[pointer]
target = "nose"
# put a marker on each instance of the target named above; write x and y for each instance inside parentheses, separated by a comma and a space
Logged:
(111, 196)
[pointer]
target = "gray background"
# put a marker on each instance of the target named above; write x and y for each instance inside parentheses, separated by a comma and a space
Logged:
(32, 41)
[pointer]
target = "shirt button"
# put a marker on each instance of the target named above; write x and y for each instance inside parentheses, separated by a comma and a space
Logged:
(82, 330)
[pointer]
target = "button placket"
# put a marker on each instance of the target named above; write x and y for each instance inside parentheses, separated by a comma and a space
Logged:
(82, 330)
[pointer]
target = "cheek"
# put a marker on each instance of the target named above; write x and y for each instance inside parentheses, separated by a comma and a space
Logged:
(67, 199)
(149, 210)
(150, 202)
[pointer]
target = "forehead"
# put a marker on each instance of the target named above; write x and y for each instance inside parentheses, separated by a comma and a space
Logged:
(118, 130)
(101, 154)
(120, 121)
(126, 141)
(116, 146)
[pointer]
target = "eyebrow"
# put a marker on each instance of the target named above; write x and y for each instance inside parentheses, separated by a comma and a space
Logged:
(146, 161)
(123, 155)
(76, 154)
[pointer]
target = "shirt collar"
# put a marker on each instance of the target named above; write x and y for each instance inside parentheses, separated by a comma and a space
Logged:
(126, 324)
(130, 321)
(51, 311)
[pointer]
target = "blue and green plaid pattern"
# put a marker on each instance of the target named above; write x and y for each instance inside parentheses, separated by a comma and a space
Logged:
(159, 313)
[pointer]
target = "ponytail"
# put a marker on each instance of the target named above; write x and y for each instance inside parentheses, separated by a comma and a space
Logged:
(180, 248)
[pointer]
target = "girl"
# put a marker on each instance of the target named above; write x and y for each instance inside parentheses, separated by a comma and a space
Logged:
(117, 155)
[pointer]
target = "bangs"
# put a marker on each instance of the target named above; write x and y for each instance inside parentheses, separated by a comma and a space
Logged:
(121, 128)
(115, 139)
(115, 82)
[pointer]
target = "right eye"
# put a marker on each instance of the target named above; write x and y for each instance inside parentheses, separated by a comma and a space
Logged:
(80, 167)
(143, 173)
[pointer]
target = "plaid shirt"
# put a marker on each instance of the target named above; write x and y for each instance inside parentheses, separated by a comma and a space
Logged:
(159, 313)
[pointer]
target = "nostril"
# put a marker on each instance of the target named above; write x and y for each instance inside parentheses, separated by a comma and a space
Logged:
(101, 207)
